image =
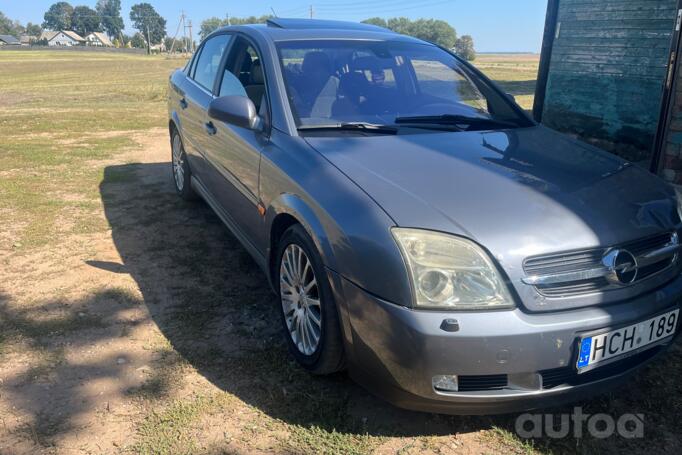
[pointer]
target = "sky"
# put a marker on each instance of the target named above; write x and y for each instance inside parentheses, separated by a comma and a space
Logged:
(496, 25)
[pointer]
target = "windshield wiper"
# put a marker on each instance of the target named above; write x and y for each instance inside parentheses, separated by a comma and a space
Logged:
(455, 120)
(355, 126)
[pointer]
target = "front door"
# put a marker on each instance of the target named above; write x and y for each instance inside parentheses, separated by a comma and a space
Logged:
(234, 151)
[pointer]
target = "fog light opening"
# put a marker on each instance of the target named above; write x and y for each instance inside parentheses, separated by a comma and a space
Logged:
(445, 383)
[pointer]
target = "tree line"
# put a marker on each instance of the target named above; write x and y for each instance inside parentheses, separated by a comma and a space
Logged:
(432, 30)
(16, 28)
(106, 17)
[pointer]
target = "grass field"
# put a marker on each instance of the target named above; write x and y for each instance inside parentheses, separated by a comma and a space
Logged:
(132, 322)
(515, 73)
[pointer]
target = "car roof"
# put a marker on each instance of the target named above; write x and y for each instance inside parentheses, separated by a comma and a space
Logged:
(282, 29)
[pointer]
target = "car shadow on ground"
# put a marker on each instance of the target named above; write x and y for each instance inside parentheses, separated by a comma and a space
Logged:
(213, 304)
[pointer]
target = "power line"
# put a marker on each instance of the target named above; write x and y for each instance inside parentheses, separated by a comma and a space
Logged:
(383, 9)
(383, 4)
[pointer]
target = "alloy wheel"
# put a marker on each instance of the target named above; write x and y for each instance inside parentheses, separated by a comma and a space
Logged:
(300, 295)
(178, 163)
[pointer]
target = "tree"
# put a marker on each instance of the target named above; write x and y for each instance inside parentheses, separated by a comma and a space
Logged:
(432, 30)
(33, 29)
(10, 27)
(400, 25)
(85, 20)
(168, 43)
(378, 21)
(110, 13)
(58, 17)
(211, 24)
(148, 22)
(249, 20)
(138, 41)
(464, 47)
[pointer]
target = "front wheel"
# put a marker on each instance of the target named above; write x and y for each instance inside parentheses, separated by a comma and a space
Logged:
(181, 172)
(309, 314)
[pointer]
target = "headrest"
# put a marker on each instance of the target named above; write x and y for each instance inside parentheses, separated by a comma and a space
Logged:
(316, 62)
(257, 77)
(353, 84)
(247, 64)
(367, 63)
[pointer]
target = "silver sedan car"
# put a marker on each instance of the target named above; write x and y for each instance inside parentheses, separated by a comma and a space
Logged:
(420, 230)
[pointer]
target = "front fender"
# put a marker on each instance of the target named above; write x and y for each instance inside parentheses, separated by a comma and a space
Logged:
(296, 207)
(350, 230)
(175, 120)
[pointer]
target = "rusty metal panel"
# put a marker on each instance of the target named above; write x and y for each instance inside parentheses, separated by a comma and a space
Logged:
(608, 68)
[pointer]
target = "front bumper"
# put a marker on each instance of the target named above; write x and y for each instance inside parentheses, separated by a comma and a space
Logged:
(396, 351)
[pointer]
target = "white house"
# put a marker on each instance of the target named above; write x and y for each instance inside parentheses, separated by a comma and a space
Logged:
(66, 38)
(98, 39)
(47, 35)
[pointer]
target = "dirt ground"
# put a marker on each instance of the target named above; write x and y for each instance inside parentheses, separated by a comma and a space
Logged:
(160, 335)
(134, 322)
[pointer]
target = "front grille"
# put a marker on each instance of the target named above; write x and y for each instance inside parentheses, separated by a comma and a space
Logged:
(577, 261)
(482, 382)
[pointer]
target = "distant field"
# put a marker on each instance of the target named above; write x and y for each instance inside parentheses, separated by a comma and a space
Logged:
(516, 73)
(133, 322)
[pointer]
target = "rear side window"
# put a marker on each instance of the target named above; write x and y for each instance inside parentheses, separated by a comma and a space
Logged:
(208, 62)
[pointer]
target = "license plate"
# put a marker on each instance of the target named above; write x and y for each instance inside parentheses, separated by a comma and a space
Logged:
(606, 347)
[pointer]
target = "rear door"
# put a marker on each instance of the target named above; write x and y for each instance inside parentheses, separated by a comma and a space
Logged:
(198, 94)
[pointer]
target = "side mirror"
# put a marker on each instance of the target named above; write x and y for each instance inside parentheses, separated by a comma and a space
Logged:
(236, 110)
(511, 97)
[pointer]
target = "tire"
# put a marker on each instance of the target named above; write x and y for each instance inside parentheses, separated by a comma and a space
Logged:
(298, 303)
(182, 175)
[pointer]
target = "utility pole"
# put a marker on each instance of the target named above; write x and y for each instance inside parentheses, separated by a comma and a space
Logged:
(189, 39)
(311, 11)
(149, 42)
(180, 24)
(191, 36)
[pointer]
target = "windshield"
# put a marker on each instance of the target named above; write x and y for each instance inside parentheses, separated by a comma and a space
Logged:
(335, 82)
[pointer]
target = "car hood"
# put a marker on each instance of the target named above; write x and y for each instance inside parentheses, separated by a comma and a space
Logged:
(518, 193)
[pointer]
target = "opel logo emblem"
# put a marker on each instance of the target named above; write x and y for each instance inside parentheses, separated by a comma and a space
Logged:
(621, 265)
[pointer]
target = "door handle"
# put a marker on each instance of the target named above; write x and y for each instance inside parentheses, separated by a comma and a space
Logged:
(210, 128)
(183, 103)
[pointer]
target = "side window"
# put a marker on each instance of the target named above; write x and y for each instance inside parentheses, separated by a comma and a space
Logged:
(244, 75)
(209, 60)
(231, 86)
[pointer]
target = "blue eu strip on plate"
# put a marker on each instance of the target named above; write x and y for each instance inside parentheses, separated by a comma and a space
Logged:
(585, 349)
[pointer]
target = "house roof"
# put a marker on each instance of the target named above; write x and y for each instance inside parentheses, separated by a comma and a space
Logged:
(9, 39)
(47, 35)
(104, 39)
(73, 35)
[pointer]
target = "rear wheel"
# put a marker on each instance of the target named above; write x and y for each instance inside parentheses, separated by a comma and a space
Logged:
(181, 172)
(309, 315)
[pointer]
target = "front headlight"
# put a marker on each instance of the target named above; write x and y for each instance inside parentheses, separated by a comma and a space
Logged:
(450, 272)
